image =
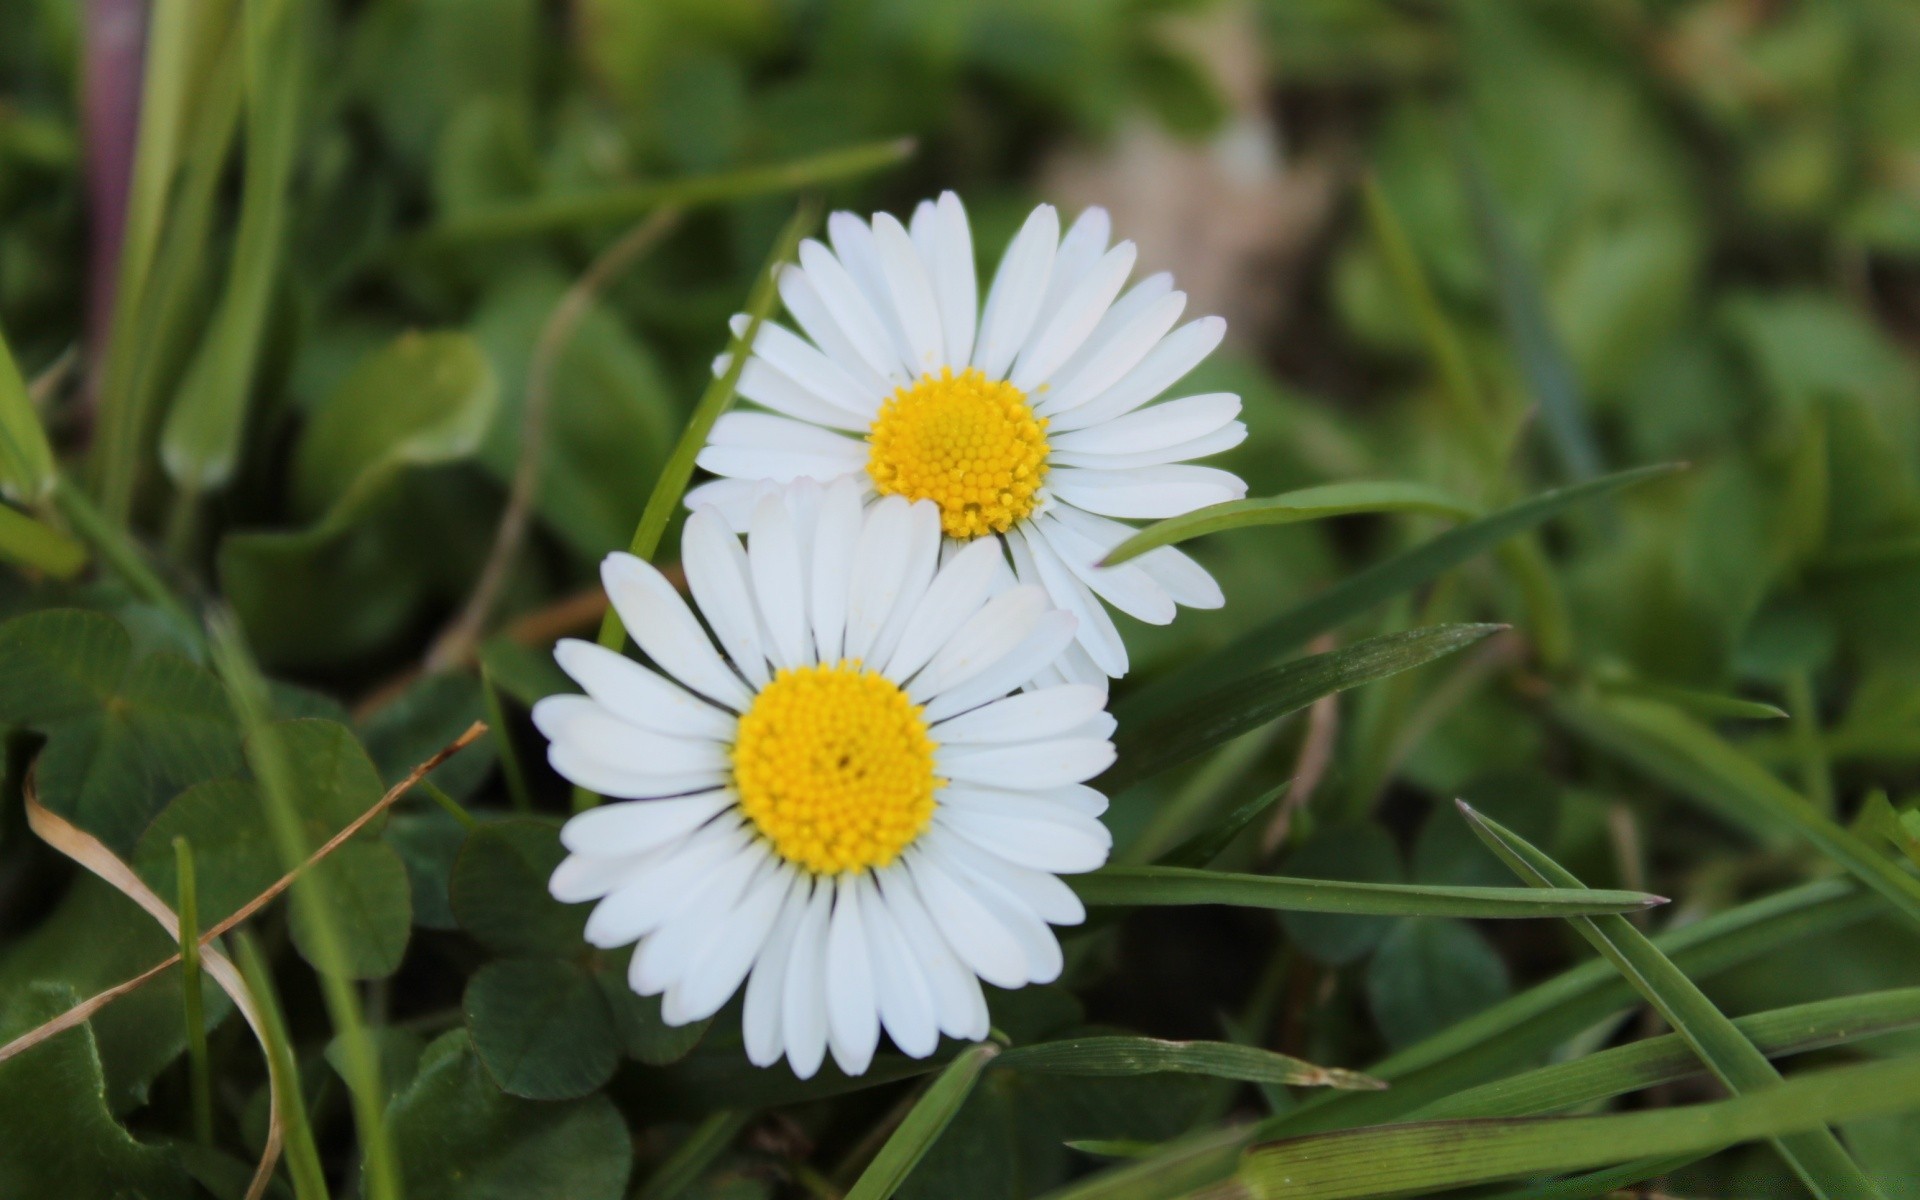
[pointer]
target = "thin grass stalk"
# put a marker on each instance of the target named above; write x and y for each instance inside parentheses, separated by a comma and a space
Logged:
(510, 768)
(303, 1155)
(200, 1073)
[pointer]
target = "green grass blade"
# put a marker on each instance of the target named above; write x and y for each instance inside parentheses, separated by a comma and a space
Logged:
(1717, 705)
(1657, 1060)
(1360, 592)
(303, 1156)
(1202, 848)
(1686, 756)
(1122, 1056)
(1306, 504)
(1148, 747)
(39, 546)
(923, 1125)
(1523, 314)
(617, 206)
(1424, 1157)
(691, 1158)
(1176, 1169)
(264, 754)
(200, 443)
(199, 1071)
(1816, 1155)
(26, 458)
(1163, 886)
(1521, 1030)
(1607, 1182)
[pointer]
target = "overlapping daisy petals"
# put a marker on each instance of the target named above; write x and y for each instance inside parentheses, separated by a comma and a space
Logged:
(675, 866)
(884, 304)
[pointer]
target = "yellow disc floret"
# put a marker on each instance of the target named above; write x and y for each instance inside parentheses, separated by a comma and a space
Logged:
(968, 444)
(834, 767)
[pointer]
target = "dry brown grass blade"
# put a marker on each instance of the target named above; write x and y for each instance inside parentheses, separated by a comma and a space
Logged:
(85, 849)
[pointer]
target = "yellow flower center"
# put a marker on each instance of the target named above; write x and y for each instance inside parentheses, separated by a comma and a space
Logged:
(834, 767)
(969, 445)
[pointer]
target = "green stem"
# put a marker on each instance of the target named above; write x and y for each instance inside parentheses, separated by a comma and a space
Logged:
(303, 1155)
(503, 742)
(197, 1063)
(435, 793)
(690, 1158)
(1816, 771)
(119, 552)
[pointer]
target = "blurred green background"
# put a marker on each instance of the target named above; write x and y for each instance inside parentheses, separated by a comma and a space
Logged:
(1652, 231)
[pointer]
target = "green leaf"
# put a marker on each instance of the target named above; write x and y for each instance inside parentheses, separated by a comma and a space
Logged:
(1426, 1157)
(428, 843)
(1356, 852)
(365, 886)
(415, 725)
(1149, 747)
(1360, 592)
(1307, 504)
(1690, 759)
(541, 1028)
(643, 1030)
(1816, 1156)
(923, 1125)
(1694, 700)
(1158, 886)
(1103, 1056)
(123, 735)
(1668, 1058)
(1426, 975)
(424, 398)
(57, 1135)
(499, 890)
(459, 1137)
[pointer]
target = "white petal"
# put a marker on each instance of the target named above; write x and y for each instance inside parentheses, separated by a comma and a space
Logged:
(717, 575)
(1162, 425)
(979, 935)
(634, 693)
(1019, 286)
(636, 826)
(1024, 718)
(1074, 323)
(1049, 638)
(1185, 580)
(765, 386)
(597, 775)
(765, 431)
(723, 963)
(1039, 949)
(1220, 440)
(699, 919)
(1146, 492)
(1113, 353)
(851, 317)
(766, 988)
(949, 257)
(1039, 892)
(923, 557)
(803, 1011)
(955, 594)
(853, 1018)
(912, 294)
(1028, 764)
(854, 243)
(583, 877)
(880, 559)
(1165, 365)
(804, 363)
(1126, 586)
(660, 622)
(637, 909)
(779, 582)
(1039, 843)
(733, 499)
(1075, 665)
(1095, 630)
(1085, 241)
(835, 537)
(958, 1004)
(777, 466)
(900, 992)
(1134, 301)
(986, 638)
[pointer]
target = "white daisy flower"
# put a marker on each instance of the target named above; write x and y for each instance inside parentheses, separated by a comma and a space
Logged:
(1031, 420)
(842, 806)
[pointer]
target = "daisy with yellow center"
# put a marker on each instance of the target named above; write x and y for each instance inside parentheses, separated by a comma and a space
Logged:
(1035, 419)
(842, 806)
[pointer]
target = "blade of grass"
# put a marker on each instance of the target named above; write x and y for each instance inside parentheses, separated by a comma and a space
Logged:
(1657, 1060)
(1149, 747)
(923, 1125)
(1429, 1156)
(199, 1071)
(1202, 848)
(1523, 315)
(247, 691)
(1176, 1168)
(1595, 1183)
(503, 743)
(1121, 1056)
(1362, 591)
(303, 1156)
(1680, 753)
(1163, 886)
(1816, 1154)
(1706, 704)
(200, 443)
(708, 1141)
(119, 552)
(39, 546)
(616, 206)
(26, 458)
(718, 397)
(1306, 504)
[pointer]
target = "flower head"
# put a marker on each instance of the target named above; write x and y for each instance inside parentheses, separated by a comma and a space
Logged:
(1031, 419)
(841, 806)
